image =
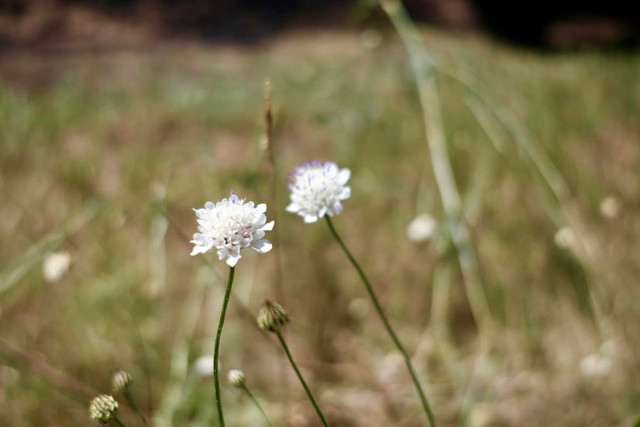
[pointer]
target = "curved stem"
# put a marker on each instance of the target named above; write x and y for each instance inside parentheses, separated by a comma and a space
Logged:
(304, 384)
(216, 351)
(117, 421)
(132, 402)
(385, 321)
(255, 401)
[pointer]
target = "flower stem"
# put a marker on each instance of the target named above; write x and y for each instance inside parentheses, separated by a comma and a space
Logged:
(117, 421)
(255, 401)
(385, 321)
(132, 402)
(216, 351)
(304, 384)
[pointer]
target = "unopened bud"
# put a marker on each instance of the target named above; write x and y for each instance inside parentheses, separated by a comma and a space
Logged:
(122, 380)
(272, 317)
(236, 377)
(103, 408)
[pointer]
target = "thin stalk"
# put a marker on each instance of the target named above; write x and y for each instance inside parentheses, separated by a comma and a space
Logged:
(255, 402)
(385, 321)
(304, 384)
(132, 402)
(117, 421)
(216, 351)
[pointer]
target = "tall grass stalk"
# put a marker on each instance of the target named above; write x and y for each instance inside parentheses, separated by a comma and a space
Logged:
(385, 321)
(423, 69)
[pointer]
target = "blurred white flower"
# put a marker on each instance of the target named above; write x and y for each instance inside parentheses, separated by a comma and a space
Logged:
(55, 266)
(370, 38)
(203, 366)
(236, 377)
(595, 366)
(317, 189)
(610, 207)
(422, 228)
(565, 238)
(229, 226)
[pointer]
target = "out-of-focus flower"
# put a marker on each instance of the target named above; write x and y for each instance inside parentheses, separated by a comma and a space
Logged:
(359, 308)
(565, 238)
(272, 317)
(55, 266)
(203, 366)
(610, 207)
(422, 228)
(595, 366)
(103, 408)
(317, 189)
(236, 377)
(370, 38)
(121, 381)
(229, 226)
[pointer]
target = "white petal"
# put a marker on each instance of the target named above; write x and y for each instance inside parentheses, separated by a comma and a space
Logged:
(293, 208)
(268, 226)
(345, 194)
(199, 249)
(261, 208)
(232, 260)
(310, 218)
(262, 246)
(344, 175)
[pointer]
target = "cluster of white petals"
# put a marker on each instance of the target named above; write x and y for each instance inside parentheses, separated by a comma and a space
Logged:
(229, 226)
(317, 189)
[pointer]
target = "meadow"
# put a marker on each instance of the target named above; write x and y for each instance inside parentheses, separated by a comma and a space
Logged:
(104, 154)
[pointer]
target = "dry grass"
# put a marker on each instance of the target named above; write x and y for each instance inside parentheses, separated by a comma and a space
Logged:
(96, 146)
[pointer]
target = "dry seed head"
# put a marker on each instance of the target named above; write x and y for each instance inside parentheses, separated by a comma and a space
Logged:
(272, 317)
(103, 408)
(122, 380)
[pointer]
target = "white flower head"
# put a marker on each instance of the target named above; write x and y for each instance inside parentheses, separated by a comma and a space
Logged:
(55, 266)
(422, 228)
(236, 377)
(317, 189)
(203, 366)
(229, 226)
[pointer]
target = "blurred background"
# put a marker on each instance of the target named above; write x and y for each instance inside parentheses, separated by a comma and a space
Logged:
(519, 306)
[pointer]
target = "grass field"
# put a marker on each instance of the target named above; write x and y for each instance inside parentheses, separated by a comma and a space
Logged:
(105, 153)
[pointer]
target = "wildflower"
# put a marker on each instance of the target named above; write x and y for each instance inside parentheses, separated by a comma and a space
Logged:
(236, 377)
(595, 366)
(229, 226)
(610, 207)
(103, 408)
(272, 317)
(122, 380)
(203, 366)
(565, 238)
(318, 189)
(422, 228)
(55, 266)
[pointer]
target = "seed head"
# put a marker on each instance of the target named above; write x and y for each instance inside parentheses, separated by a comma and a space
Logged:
(236, 377)
(272, 317)
(103, 408)
(122, 380)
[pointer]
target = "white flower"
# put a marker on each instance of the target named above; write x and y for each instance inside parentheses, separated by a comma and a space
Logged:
(610, 207)
(317, 190)
(421, 228)
(231, 225)
(55, 266)
(595, 366)
(203, 366)
(565, 238)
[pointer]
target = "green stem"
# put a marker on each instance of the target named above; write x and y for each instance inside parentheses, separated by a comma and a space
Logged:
(117, 421)
(385, 321)
(255, 401)
(132, 402)
(216, 351)
(304, 384)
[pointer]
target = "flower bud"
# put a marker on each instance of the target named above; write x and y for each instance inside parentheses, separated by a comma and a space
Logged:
(122, 380)
(272, 317)
(103, 408)
(236, 377)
